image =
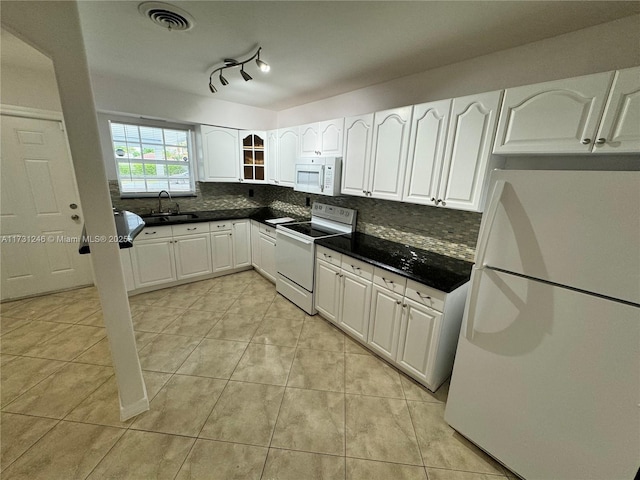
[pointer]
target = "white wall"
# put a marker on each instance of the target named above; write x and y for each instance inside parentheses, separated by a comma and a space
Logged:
(116, 95)
(31, 88)
(604, 47)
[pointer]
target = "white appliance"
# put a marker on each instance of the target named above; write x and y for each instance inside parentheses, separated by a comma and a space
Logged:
(547, 371)
(318, 175)
(296, 250)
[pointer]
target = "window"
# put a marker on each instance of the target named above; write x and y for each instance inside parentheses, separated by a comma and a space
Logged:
(150, 159)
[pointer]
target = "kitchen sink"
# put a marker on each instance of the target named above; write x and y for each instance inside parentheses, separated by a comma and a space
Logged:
(168, 219)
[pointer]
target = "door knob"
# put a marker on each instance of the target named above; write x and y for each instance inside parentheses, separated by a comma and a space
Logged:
(75, 217)
(73, 206)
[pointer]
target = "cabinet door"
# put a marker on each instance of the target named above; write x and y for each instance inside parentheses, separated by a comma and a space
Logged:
(255, 244)
(267, 247)
(389, 153)
(357, 149)
(327, 290)
(384, 327)
(241, 244)
(153, 262)
(620, 127)
(426, 151)
(127, 269)
(272, 157)
(253, 156)
(552, 117)
(193, 255)
(222, 251)
(330, 137)
(308, 140)
(418, 339)
(471, 128)
(287, 154)
(221, 155)
(355, 305)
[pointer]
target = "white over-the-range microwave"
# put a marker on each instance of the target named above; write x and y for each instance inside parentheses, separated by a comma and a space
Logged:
(319, 175)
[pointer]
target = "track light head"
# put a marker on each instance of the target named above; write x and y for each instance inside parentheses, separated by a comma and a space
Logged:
(264, 67)
(245, 75)
(212, 88)
(223, 80)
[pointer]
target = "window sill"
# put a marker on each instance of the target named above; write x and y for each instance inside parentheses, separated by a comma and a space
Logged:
(128, 196)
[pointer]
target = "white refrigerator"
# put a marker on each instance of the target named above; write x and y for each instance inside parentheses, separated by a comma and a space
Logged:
(547, 371)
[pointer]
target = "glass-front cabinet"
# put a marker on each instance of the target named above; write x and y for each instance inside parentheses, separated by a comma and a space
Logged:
(252, 147)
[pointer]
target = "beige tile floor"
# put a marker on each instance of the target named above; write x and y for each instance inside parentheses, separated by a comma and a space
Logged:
(242, 385)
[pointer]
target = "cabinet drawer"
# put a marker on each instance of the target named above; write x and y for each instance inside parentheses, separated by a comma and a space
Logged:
(357, 267)
(220, 226)
(329, 256)
(425, 295)
(150, 233)
(190, 228)
(269, 231)
(390, 281)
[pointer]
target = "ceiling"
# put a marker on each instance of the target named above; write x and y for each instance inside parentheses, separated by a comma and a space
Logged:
(316, 49)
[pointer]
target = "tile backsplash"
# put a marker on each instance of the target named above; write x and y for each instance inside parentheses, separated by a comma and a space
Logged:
(449, 232)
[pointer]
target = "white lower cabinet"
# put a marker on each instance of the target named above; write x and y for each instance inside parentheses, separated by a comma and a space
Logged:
(327, 289)
(153, 262)
(386, 316)
(267, 247)
(241, 233)
(418, 334)
(193, 255)
(222, 250)
(413, 326)
(263, 249)
(172, 254)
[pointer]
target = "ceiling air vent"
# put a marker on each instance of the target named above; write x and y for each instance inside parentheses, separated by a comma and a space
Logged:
(167, 16)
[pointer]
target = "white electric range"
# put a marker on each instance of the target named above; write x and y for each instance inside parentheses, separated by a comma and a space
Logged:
(296, 251)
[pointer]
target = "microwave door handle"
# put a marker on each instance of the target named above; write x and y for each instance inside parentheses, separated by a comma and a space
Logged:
(322, 179)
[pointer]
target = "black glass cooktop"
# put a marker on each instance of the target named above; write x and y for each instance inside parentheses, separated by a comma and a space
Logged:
(309, 230)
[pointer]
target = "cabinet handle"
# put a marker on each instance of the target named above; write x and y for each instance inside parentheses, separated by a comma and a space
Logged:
(337, 273)
(444, 204)
(326, 256)
(355, 268)
(404, 305)
(433, 199)
(398, 302)
(388, 281)
(364, 191)
(150, 233)
(192, 229)
(586, 141)
(239, 179)
(423, 296)
(341, 275)
(601, 141)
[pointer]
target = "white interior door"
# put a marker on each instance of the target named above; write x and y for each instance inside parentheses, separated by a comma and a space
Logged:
(39, 237)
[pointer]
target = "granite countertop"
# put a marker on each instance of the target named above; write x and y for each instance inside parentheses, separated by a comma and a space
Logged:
(260, 214)
(128, 226)
(429, 268)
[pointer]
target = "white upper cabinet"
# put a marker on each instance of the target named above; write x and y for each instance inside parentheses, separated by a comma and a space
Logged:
(552, 117)
(389, 153)
(322, 139)
(272, 157)
(471, 128)
(358, 132)
(619, 130)
(253, 156)
(426, 151)
(221, 156)
(287, 155)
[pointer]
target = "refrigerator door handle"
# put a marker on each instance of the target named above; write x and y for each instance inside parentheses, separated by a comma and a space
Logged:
(483, 238)
(472, 301)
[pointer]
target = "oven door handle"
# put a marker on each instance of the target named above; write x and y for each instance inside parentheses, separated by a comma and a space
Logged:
(295, 237)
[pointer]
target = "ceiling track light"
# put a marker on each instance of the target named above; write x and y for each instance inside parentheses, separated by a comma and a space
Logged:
(232, 63)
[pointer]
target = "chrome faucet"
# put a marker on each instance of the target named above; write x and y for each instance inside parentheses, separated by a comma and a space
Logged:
(160, 200)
